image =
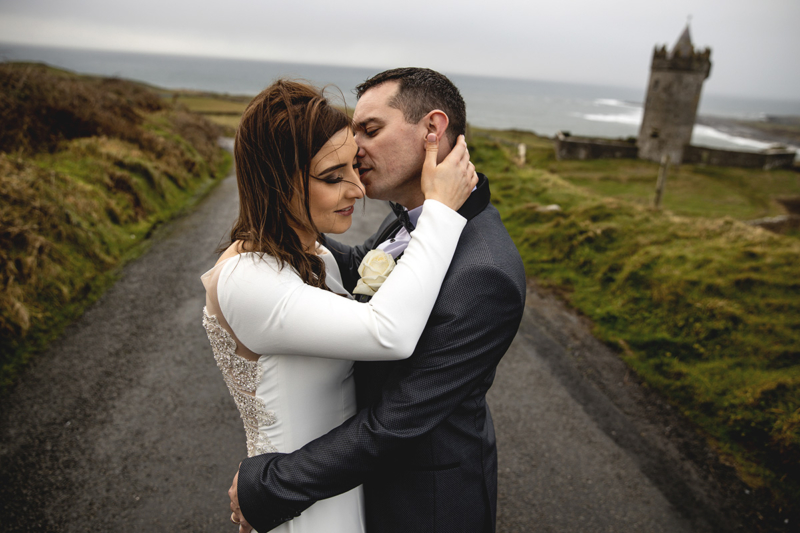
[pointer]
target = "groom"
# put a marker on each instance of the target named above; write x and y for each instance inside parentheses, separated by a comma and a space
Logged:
(423, 442)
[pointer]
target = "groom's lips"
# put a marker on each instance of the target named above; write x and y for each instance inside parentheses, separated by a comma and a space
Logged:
(363, 172)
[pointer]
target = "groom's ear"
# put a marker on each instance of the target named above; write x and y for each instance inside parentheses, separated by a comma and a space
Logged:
(436, 122)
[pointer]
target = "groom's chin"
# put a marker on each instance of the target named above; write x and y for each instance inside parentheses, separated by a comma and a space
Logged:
(374, 193)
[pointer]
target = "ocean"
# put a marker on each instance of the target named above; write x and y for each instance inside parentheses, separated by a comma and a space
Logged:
(541, 106)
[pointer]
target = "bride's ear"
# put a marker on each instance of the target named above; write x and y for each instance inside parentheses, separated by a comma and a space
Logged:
(436, 122)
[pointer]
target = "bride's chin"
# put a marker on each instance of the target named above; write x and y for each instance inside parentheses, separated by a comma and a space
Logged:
(340, 227)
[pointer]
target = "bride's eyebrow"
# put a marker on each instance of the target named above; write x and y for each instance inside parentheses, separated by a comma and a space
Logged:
(330, 169)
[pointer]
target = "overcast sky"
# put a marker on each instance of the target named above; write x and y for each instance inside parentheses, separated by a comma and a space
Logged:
(755, 44)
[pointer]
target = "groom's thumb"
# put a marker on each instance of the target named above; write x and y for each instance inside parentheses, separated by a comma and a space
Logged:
(431, 149)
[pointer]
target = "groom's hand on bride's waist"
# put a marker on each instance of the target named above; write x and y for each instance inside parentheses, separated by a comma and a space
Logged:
(236, 512)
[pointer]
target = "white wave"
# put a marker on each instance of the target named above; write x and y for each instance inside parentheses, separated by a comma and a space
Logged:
(707, 131)
(616, 103)
(701, 135)
(632, 119)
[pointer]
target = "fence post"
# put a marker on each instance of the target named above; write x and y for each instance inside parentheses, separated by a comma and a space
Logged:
(520, 154)
(662, 180)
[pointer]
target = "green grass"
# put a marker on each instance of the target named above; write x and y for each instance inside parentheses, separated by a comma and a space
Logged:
(97, 202)
(213, 104)
(222, 110)
(228, 122)
(705, 310)
(76, 205)
(691, 190)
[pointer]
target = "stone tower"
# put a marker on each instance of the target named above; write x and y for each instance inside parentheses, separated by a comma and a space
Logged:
(676, 78)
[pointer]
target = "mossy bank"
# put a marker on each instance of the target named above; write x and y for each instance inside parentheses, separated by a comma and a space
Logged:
(705, 309)
(89, 167)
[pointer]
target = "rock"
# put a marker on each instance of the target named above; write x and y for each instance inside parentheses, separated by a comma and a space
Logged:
(548, 208)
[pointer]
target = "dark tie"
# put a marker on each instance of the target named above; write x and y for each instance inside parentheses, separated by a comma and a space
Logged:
(402, 216)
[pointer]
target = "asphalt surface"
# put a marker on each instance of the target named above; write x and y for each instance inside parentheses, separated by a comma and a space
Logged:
(125, 424)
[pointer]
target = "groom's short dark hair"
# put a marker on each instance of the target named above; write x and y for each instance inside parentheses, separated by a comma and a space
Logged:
(420, 91)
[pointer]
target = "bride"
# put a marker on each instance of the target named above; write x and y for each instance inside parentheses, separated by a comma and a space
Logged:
(283, 330)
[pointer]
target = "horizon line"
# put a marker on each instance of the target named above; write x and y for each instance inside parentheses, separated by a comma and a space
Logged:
(643, 87)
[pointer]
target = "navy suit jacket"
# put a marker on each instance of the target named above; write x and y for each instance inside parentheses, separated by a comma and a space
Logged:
(422, 442)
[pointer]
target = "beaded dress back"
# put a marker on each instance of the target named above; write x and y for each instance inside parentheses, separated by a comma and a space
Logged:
(242, 377)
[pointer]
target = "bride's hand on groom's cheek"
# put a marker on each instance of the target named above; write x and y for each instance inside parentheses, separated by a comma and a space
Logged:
(236, 512)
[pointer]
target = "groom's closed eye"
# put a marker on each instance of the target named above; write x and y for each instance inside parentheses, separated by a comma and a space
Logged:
(369, 127)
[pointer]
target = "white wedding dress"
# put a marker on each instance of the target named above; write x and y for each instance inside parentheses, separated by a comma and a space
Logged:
(286, 349)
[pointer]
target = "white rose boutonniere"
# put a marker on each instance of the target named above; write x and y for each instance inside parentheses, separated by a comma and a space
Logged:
(374, 269)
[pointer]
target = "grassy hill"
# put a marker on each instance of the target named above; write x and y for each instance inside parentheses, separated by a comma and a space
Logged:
(692, 190)
(702, 307)
(89, 167)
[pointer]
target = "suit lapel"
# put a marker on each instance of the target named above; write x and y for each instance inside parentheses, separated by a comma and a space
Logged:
(478, 200)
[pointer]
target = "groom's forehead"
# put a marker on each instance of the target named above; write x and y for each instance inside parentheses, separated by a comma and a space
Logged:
(375, 100)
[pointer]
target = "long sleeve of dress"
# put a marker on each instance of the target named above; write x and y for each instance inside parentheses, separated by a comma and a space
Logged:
(272, 311)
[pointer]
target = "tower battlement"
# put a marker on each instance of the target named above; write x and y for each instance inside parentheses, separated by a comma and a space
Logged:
(694, 61)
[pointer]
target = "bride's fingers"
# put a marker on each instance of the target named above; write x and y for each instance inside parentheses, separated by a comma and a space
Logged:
(468, 169)
(466, 148)
(456, 155)
(465, 159)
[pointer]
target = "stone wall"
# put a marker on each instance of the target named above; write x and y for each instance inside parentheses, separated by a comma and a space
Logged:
(730, 158)
(779, 159)
(569, 147)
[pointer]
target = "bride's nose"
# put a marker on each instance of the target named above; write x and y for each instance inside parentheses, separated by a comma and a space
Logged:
(354, 189)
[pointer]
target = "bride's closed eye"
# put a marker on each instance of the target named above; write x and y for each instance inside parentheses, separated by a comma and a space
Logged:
(339, 178)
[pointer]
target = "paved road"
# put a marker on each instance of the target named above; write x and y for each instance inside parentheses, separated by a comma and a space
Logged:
(125, 424)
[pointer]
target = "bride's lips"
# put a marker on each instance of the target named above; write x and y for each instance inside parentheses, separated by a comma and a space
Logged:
(347, 211)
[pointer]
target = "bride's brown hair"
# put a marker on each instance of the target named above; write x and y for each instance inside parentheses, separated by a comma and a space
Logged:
(279, 133)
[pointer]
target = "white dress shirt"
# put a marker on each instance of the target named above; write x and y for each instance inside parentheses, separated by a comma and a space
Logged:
(397, 244)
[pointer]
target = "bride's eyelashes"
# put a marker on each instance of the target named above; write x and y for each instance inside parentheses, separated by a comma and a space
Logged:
(338, 178)
(332, 179)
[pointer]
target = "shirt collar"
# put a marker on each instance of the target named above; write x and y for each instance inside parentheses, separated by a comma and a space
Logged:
(413, 215)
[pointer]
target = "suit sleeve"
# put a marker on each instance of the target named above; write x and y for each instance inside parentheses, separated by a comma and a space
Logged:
(465, 345)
